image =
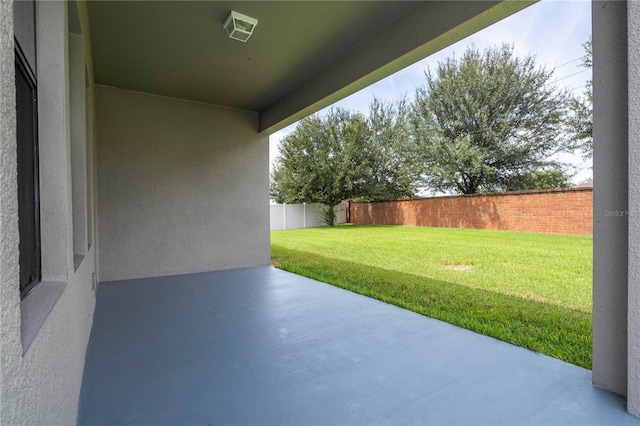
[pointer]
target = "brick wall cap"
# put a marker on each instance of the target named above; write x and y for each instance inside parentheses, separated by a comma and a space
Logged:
(488, 194)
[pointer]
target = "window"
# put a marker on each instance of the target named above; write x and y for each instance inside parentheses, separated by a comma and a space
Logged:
(28, 180)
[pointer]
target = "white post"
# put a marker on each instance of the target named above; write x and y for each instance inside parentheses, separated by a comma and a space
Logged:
(304, 215)
(611, 112)
(284, 216)
(633, 284)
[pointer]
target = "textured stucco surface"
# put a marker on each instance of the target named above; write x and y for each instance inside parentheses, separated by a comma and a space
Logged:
(182, 186)
(78, 134)
(633, 320)
(10, 346)
(53, 127)
(610, 187)
(42, 386)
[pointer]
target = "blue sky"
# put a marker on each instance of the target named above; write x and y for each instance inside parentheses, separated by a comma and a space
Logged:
(552, 30)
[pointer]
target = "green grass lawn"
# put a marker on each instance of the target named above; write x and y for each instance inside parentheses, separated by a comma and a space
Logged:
(532, 290)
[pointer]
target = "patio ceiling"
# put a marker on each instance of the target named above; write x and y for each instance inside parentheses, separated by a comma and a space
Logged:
(303, 55)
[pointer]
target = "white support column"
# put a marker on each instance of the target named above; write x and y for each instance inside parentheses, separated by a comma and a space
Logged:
(633, 319)
(610, 193)
(54, 147)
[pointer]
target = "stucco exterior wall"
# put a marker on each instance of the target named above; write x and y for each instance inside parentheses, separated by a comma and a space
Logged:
(610, 192)
(41, 382)
(10, 348)
(633, 320)
(182, 186)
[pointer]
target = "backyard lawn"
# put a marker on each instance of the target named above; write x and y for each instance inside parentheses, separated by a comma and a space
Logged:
(532, 290)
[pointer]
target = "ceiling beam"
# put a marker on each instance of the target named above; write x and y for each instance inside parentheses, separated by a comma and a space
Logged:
(430, 27)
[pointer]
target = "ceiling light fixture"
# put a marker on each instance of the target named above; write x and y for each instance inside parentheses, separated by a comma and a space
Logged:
(239, 26)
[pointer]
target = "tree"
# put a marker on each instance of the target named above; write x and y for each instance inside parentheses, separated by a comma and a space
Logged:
(540, 179)
(581, 119)
(344, 156)
(323, 161)
(487, 120)
(393, 173)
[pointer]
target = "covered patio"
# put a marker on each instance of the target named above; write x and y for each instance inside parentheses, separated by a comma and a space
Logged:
(135, 285)
(264, 346)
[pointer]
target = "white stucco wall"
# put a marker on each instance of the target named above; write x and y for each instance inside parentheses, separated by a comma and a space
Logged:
(610, 192)
(616, 243)
(41, 384)
(633, 320)
(182, 186)
(10, 348)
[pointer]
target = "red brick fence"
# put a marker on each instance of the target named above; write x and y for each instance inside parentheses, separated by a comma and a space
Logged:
(561, 211)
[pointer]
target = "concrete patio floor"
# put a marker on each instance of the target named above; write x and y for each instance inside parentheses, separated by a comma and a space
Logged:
(261, 346)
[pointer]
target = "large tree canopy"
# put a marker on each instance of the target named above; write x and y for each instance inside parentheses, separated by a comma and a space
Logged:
(485, 121)
(581, 119)
(540, 179)
(343, 156)
(393, 172)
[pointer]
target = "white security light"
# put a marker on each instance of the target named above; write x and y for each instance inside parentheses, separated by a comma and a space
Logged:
(239, 26)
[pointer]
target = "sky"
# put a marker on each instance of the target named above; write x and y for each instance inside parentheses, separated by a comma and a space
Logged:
(551, 30)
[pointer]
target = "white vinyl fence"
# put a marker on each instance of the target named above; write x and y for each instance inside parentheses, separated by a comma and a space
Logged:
(293, 216)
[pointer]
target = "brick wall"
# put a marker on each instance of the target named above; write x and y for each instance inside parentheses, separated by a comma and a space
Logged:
(561, 211)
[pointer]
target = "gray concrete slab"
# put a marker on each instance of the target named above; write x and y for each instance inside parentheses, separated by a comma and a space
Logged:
(263, 346)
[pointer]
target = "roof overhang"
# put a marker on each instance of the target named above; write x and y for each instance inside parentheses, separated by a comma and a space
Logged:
(302, 57)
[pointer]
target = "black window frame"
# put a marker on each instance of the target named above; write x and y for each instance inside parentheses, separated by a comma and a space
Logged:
(30, 250)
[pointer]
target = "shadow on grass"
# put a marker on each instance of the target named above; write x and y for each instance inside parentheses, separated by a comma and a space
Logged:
(562, 333)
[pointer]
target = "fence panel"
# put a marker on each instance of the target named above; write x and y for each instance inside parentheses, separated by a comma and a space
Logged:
(276, 215)
(294, 216)
(341, 213)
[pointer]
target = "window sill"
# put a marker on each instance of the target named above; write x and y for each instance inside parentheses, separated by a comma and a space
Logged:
(35, 309)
